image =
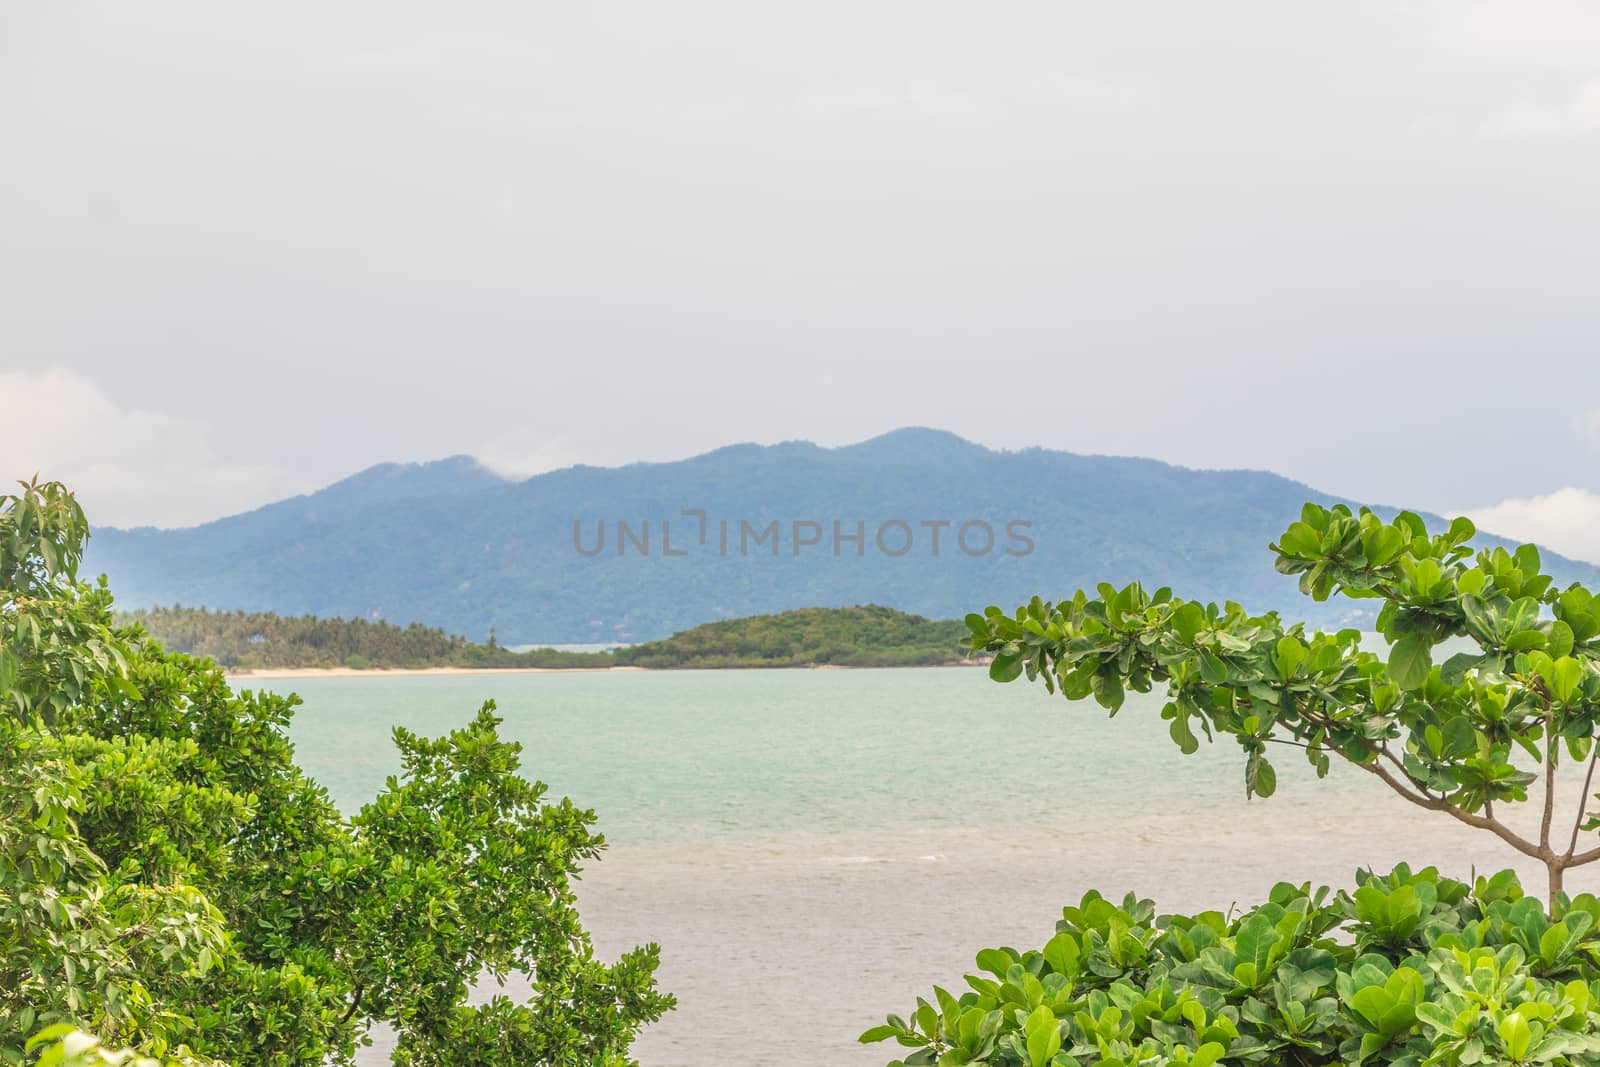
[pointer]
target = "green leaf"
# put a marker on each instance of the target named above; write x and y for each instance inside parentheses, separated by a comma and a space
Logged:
(1561, 639)
(1290, 654)
(1410, 660)
(1516, 1035)
(1006, 667)
(1302, 541)
(1454, 669)
(1044, 1036)
(1212, 669)
(1062, 953)
(1187, 742)
(1462, 530)
(1526, 641)
(1108, 690)
(1413, 523)
(1382, 544)
(1563, 937)
(996, 961)
(1188, 620)
(1259, 777)
(1567, 677)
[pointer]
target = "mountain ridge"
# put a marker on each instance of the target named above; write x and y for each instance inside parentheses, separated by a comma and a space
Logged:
(451, 543)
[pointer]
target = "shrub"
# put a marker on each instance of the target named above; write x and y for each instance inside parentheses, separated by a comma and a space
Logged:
(1409, 969)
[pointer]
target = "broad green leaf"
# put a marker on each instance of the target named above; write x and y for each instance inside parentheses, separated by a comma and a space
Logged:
(1410, 660)
(1043, 1036)
(1006, 667)
(1567, 676)
(1290, 654)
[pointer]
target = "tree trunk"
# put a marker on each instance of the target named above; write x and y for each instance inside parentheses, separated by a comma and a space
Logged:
(1556, 870)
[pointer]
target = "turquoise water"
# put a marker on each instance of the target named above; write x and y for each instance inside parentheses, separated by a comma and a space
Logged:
(724, 756)
(815, 848)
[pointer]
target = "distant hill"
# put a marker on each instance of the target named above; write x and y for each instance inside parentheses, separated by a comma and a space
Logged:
(868, 636)
(262, 640)
(452, 545)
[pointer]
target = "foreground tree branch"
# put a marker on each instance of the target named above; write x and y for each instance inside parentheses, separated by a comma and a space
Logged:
(1441, 735)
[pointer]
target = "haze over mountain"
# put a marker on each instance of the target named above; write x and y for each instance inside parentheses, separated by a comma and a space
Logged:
(453, 545)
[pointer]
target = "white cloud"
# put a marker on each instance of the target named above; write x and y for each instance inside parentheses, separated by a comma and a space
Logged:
(129, 467)
(1578, 116)
(524, 453)
(1567, 521)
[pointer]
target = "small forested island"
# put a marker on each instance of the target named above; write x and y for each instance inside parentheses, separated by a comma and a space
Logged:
(870, 636)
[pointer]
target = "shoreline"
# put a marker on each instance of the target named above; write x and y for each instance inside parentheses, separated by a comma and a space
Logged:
(392, 672)
(364, 672)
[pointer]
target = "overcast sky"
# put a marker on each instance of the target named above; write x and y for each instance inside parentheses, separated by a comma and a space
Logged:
(246, 249)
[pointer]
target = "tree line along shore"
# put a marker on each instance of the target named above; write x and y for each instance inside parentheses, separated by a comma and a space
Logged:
(867, 636)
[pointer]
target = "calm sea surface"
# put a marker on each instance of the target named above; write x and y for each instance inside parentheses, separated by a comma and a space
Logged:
(813, 849)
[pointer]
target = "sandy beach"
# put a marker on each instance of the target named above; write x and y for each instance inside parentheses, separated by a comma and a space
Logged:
(397, 672)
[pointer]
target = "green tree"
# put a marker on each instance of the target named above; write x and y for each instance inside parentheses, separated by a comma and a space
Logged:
(1444, 736)
(76, 942)
(171, 881)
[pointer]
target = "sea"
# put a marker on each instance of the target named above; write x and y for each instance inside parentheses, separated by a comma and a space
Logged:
(813, 849)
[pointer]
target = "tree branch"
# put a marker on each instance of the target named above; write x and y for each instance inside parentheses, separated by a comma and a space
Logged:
(1494, 826)
(355, 1002)
(1549, 789)
(1383, 750)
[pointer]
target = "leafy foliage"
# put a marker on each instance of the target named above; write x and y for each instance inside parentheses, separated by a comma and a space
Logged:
(171, 881)
(1445, 736)
(1412, 968)
(63, 1046)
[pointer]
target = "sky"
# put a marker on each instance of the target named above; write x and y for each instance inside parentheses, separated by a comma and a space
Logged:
(246, 250)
